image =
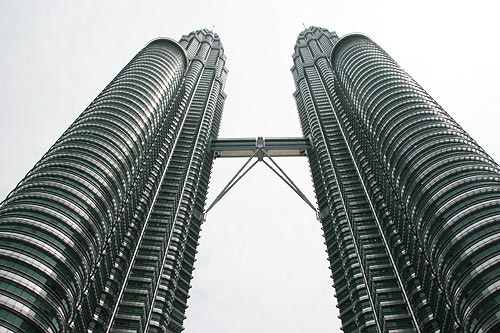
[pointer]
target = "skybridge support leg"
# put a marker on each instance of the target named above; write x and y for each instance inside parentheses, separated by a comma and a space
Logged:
(243, 147)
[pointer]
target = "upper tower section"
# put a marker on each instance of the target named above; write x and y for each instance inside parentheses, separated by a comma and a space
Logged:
(312, 43)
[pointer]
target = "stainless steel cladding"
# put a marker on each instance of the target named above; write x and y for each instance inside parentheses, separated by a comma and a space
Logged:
(101, 233)
(408, 201)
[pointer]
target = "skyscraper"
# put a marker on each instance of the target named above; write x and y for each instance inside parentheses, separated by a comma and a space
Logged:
(101, 234)
(409, 203)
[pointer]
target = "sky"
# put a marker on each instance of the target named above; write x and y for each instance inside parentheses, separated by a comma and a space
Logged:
(261, 265)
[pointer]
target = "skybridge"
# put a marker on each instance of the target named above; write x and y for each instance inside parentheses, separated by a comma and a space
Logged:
(260, 149)
(273, 147)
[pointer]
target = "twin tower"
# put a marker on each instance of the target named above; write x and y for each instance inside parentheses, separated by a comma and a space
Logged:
(101, 235)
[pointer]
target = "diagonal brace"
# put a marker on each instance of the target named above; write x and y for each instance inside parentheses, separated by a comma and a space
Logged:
(236, 178)
(283, 176)
(260, 153)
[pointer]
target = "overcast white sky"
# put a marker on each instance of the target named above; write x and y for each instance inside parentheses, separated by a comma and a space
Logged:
(261, 263)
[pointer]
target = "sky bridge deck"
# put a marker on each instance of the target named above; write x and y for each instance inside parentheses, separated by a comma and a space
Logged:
(246, 147)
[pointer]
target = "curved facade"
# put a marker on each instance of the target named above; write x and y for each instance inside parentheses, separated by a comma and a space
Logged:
(155, 296)
(402, 189)
(101, 235)
(369, 288)
(446, 185)
(114, 197)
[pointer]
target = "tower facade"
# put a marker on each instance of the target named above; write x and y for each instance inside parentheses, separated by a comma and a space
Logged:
(408, 202)
(101, 234)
